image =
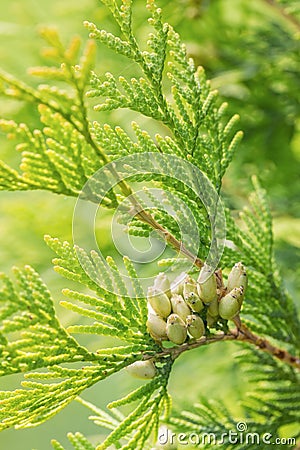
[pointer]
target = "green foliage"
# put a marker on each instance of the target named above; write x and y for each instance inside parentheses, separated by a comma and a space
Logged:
(116, 315)
(61, 156)
(41, 342)
(272, 403)
(44, 343)
(195, 122)
(77, 440)
(31, 335)
(268, 306)
(192, 116)
(254, 63)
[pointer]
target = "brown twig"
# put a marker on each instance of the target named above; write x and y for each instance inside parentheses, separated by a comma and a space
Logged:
(84, 130)
(239, 334)
(174, 352)
(138, 210)
(242, 333)
(245, 335)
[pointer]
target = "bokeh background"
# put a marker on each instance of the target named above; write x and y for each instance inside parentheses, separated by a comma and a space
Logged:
(251, 54)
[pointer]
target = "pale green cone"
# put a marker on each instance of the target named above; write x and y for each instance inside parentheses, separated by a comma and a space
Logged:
(191, 296)
(229, 305)
(176, 329)
(189, 286)
(213, 308)
(157, 327)
(207, 285)
(237, 277)
(142, 369)
(177, 284)
(238, 293)
(194, 302)
(179, 306)
(159, 301)
(195, 326)
(162, 283)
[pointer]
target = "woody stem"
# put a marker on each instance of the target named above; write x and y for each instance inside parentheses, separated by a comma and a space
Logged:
(245, 335)
(239, 334)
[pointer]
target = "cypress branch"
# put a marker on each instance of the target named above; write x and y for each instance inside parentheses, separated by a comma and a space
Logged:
(62, 157)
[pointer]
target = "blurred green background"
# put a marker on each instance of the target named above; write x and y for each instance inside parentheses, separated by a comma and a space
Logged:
(251, 54)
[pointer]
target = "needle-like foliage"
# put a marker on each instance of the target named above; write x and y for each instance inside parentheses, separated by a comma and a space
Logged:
(62, 156)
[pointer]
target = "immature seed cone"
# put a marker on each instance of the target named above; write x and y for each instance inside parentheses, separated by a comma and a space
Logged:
(229, 305)
(213, 308)
(176, 329)
(207, 285)
(177, 284)
(179, 306)
(237, 277)
(157, 327)
(189, 286)
(142, 369)
(191, 296)
(162, 283)
(194, 302)
(195, 326)
(238, 293)
(159, 302)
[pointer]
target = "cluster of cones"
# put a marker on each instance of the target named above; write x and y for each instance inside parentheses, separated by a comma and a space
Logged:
(186, 309)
